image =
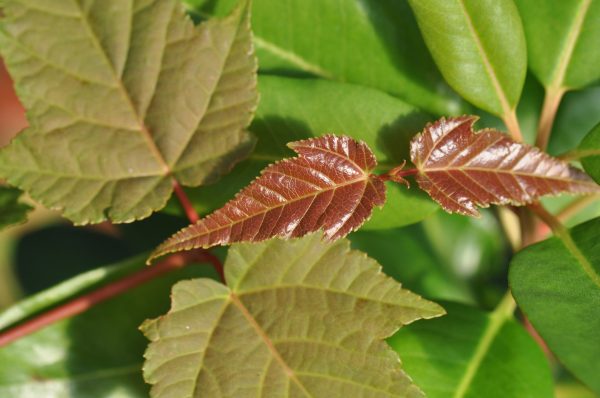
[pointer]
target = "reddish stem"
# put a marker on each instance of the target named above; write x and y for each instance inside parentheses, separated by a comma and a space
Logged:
(397, 174)
(186, 204)
(86, 301)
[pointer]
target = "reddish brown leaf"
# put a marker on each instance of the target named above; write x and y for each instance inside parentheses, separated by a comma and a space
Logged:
(328, 186)
(462, 170)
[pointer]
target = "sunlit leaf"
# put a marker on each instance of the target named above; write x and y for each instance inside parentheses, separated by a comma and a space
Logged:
(12, 211)
(557, 285)
(329, 186)
(462, 169)
(301, 317)
(479, 46)
(123, 97)
(562, 41)
(472, 354)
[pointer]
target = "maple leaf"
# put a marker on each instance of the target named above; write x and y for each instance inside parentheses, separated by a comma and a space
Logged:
(328, 186)
(461, 169)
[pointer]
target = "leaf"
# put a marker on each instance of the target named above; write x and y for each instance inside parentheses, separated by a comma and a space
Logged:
(328, 186)
(562, 41)
(295, 109)
(12, 211)
(469, 353)
(479, 47)
(462, 170)
(122, 99)
(97, 354)
(557, 284)
(300, 318)
(589, 151)
(376, 44)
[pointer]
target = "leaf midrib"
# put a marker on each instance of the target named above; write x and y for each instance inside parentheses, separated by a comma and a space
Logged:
(565, 55)
(268, 343)
(501, 95)
(565, 237)
(120, 86)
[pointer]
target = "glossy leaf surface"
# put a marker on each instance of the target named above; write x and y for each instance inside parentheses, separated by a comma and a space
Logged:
(294, 109)
(462, 170)
(479, 46)
(328, 186)
(562, 41)
(11, 210)
(98, 354)
(114, 120)
(557, 284)
(301, 317)
(589, 152)
(321, 38)
(471, 354)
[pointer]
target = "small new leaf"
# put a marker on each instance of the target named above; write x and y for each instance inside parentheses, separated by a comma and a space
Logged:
(299, 318)
(328, 186)
(461, 170)
(123, 96)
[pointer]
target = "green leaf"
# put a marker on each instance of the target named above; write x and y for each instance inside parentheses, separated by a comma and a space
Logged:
(470, 353)
(122, 98)
(557, 284)
(12, 211)
(479, 47)
(299, 318)
(562, 41)
(589, 152)
(371, 43)
(97, 354)
(296, 109)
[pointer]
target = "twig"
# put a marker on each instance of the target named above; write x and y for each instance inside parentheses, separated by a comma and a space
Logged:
(512, 124)
(86, 301)
(551, 102)
(185, 202)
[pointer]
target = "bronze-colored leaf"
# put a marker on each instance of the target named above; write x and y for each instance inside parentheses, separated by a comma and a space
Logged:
(328, 186)
(462, 170)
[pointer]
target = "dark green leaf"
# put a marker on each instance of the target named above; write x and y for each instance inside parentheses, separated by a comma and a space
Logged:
(479, 47)
(589, 152)
(12, 211)
(557, 284)
(375, 43)
(472, 354)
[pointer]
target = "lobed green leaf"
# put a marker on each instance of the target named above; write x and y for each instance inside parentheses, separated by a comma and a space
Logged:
(298, 318)
(123, 97)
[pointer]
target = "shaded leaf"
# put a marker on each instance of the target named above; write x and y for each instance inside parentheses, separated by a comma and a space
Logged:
(562, 41)
(97, 354)
(294, 109)
(589, 152)
(12, 211)
(470, 353)
(462, 170)
(328, 186)
(557, 285)
(123, 98)
(321, 38)
(479, 46)
(301, 317)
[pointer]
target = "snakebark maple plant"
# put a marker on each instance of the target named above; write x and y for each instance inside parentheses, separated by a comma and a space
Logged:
(129, 101)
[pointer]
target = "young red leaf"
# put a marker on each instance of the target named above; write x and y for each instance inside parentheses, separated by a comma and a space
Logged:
(328, 186)
(462, 170)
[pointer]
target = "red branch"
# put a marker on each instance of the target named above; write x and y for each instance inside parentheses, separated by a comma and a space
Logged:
(86, 301)
(186, 204)
(398, 173)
